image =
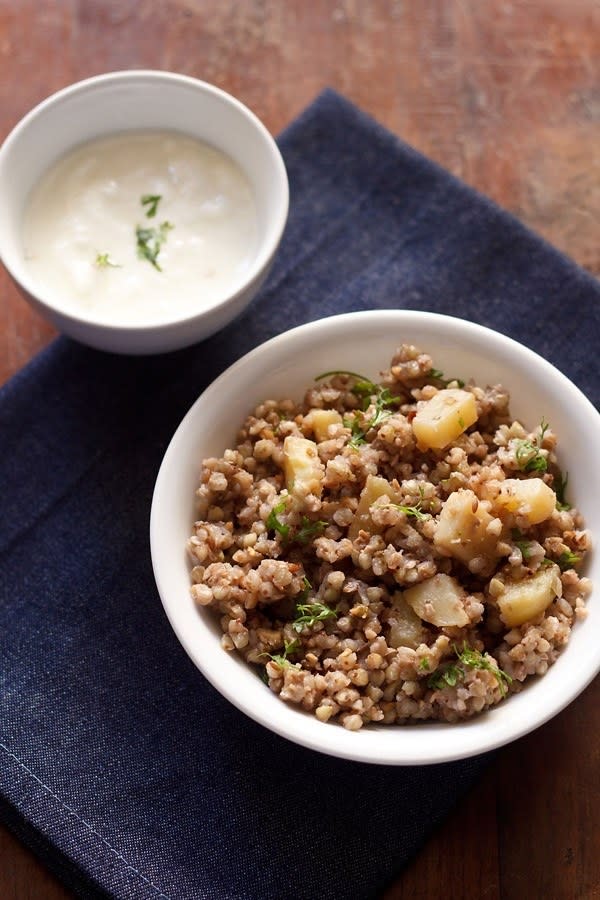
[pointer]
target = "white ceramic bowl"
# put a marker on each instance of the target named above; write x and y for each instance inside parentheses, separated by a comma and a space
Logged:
(365, 342)
(133, 101)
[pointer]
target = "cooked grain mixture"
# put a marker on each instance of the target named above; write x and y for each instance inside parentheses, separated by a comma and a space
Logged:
(390, 552)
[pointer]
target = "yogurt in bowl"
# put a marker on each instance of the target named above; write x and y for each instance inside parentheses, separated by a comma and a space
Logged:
(142, 210)
(140, 226)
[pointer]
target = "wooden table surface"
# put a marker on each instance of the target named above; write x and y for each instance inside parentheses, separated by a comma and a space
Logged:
(505, 94)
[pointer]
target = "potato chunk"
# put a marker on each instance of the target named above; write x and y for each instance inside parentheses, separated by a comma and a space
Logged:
(321, 419)
(462, 531)
(528, 497)
(406, 628)
(523, 600)
(303, 470)
(439, 600)
(443, 418)
(375, 487)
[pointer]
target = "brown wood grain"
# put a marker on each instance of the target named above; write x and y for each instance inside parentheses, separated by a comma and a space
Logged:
(505, 94)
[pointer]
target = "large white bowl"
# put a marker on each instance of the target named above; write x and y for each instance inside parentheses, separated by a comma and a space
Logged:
(365, 342)
(133, 101)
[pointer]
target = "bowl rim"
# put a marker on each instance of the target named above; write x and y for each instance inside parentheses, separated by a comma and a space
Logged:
(359, 750)
(259, 263)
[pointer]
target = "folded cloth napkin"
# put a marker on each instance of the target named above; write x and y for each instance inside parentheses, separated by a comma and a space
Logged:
(119, 764)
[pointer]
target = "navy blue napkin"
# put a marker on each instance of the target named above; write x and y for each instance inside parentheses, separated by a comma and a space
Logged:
(119, 764)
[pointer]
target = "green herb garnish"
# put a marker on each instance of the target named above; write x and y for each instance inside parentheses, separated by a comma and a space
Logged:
(529, 456)
(568, 560)
(474, 659)
(468, 658)
(357, 435)
(366, 390)
(289, 647)
(306, 589)
(444, 676)
(308, 614)
(523, 545)
(273, 523)
(103, 260)
(414, 511)
(560, 487)
(150, 241)
(151, 201)
(424, 665)
(363, 386)
(309, 530)
(383, 401)
(438, 375)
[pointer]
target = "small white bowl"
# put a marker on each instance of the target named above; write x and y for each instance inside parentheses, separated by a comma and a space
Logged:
(364, 342)
(133, 101)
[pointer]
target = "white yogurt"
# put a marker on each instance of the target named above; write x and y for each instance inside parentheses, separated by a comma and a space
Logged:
(79, 231)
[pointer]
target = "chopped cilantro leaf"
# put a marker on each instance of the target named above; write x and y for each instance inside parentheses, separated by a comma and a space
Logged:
(468, 658)
(309, 530)
(560, 487)
(151, 201)
(366, 390)
(438, 375)
(362, 385)
(523, 545)
(104, 261)
(528, 453)
(529, 458)
(273, 523)
(289, 648)
(568, 560)
(150, 241)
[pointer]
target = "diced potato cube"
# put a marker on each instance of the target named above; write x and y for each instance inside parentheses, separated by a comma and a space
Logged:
(528, 497)
(321, 419)
(406, 628)
(303, 470)
(462, 531)
(375, 487)
(443, 418)
(439, 600)
(523, 600)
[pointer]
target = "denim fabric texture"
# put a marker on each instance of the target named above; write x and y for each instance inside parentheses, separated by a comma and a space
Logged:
(119, 764)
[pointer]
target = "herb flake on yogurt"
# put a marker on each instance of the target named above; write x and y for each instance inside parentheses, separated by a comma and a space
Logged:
(140, 226)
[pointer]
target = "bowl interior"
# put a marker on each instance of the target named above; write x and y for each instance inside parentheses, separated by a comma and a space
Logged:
(134, 101)
(365, 342)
